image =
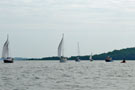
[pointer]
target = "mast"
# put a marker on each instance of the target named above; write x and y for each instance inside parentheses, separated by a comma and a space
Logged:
(7, 46)
(62, 45)
(78, 49)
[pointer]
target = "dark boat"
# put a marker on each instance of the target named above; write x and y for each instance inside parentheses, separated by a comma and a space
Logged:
(124, 61)
(8, 60)
(108, 59)
(77, 59)
(91, 60)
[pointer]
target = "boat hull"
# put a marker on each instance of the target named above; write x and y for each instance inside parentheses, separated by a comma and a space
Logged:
(123, 61)
(91, 60)
(9, 60)
(62, 60)
(109, 60)
(77, 60)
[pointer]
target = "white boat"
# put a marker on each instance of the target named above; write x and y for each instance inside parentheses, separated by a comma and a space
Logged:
(61, 50)
(90, 58)
(5, 53)
(78, 57)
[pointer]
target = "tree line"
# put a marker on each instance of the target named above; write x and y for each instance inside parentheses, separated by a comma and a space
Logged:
(127, 53)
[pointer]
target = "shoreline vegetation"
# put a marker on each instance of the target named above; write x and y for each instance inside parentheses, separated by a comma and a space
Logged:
(127, 53)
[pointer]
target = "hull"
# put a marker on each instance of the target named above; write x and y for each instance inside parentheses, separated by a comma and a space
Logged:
(123, 61)
(8, 60)
(109, 60)
(91, 60)
(62, 60)
(77, 60)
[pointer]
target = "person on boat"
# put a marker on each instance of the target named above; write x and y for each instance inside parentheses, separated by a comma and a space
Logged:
(124, 61)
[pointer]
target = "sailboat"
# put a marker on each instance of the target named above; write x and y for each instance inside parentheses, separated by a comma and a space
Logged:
(5, 53)
(90, 58)
(108, 59)
(61, 50)
(123, 61)
(77, 58)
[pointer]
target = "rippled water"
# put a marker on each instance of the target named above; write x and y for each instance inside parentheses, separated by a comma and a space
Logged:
(52, 75)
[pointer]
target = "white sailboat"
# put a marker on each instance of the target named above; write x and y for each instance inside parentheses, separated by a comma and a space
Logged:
(5, 53)
(61, 50)
(90, 58)
(77, 58)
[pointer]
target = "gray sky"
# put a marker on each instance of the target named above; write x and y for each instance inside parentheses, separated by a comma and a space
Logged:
(35, 27)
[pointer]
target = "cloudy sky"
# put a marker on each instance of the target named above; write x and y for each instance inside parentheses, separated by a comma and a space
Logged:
(35, 27)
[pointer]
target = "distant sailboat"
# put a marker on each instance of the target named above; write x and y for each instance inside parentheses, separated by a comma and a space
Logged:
(5, 53)
(108, 59)
(123, 61)
(61, 50)
(90, 58)
(77, 58)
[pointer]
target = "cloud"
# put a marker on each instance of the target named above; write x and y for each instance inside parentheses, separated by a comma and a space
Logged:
(66, 12)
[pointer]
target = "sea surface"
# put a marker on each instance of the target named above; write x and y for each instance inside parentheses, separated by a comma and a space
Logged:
(52, 75)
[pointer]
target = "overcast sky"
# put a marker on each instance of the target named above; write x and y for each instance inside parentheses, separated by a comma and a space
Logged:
(35, 27)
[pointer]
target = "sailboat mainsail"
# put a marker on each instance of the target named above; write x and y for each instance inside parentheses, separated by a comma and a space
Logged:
(5, 52)
(61, 47)
(61, 50)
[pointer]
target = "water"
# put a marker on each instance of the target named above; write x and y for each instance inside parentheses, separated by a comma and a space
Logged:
(52, 75)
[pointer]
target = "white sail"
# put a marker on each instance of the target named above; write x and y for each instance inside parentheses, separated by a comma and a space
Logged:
(5, 52)
(61, 47)
(90, 57)
(78, 49)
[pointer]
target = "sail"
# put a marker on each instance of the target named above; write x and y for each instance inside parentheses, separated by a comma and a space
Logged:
(78, 49)
(5, 52)
(90, 57)
(61, 47)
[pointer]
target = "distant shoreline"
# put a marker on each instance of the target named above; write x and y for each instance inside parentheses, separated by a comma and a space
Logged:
(127, 53)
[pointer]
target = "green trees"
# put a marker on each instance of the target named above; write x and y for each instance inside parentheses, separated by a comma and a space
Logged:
(127, 53)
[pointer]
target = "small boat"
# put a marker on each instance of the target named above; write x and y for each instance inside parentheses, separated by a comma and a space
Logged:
(77, 58)
(8, 60)
(63, 59)
(108, 59)
(61, 50)
(90, 58)
(5, 53)
(124, 61)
